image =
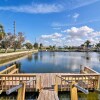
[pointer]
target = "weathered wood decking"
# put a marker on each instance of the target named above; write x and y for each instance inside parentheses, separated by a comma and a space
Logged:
(48, 94)
(47, 91)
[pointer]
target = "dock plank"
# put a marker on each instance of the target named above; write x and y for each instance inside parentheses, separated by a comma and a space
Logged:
(48, 94)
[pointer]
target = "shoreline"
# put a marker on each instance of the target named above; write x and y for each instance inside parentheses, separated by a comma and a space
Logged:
(12, 57)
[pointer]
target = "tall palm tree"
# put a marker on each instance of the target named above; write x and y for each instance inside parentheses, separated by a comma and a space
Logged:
(87, 43)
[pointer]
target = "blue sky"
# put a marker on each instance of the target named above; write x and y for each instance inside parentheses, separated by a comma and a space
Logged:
(53, 22)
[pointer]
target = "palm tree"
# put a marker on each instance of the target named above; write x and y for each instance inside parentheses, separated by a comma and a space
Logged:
(2, 33)
(87, 43)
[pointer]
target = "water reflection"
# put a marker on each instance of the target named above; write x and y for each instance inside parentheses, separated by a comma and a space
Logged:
(36, 57)
(13, 96)
(30, 58)
(81, 96)
(50, 62)
(41, 55)
(99, 56)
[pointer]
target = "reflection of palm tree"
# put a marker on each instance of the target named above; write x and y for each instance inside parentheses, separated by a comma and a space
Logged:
(98, 55)
(36, 57)
(87, 57)
(41, 56)
(54, 54)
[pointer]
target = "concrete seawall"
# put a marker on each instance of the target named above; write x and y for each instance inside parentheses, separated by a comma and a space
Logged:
(15, 55)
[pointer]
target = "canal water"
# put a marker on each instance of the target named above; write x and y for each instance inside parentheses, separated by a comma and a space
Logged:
(59, 62)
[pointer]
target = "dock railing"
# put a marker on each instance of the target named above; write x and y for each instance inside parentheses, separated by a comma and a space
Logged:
(73, 85)
(89, 70)
(62, 83)
(85, 70)
(8, 81)
(8, 70)
(21, 89)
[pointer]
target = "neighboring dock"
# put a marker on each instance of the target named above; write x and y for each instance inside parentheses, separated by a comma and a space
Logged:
(49, 84)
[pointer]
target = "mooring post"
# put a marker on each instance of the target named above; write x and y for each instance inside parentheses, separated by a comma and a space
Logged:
(21, 92)
(73, 90)
(98, 87)
(40, 84)
(56, 85)
(81, 69)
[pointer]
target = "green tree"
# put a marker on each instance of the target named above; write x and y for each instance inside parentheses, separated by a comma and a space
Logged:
(6, 42)
(28, 45)
(18, 40)
(98, 45)
(12, 41)
(35, 45)
(50, 47)
(2, 32)
(41, 45)
(54, 47)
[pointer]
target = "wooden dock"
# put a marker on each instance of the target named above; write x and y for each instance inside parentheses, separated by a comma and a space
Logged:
(48, 84)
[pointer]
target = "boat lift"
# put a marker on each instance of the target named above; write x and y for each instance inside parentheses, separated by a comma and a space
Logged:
(21, 90)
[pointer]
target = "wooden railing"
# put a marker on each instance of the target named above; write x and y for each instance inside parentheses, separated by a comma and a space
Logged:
(89, 70)
(8, 70)
(87, 81)
(8, 81)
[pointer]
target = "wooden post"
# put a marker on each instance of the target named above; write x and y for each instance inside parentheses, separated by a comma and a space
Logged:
(98, 87)
(40, 84)
(56, 85)
(21, 92)
(73, 90)
(14, 66)
(81, 69)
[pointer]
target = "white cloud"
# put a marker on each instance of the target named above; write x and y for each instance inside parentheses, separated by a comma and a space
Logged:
(34, 8)
(75, 16)
(49, 8)
(52, 36)
(78, 32)
(57, 24)
(74, 4)
(74, 36)
(77, 36)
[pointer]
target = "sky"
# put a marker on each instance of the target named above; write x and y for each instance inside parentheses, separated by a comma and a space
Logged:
(53, 22)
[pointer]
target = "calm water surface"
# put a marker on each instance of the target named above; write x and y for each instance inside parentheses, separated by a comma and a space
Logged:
(60, 62)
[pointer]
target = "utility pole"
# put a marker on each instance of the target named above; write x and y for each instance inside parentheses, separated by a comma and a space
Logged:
(35, 40)
(14, 27)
